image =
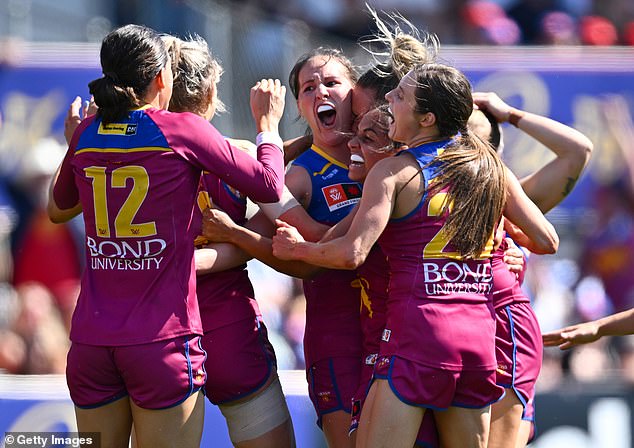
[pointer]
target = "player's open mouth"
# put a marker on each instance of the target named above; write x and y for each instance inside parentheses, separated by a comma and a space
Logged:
(356, 160)
(327, 114)
(388, 112)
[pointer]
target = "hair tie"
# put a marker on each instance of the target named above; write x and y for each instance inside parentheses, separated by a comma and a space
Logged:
(112, 76)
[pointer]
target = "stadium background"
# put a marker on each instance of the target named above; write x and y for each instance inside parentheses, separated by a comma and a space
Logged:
(570, 60)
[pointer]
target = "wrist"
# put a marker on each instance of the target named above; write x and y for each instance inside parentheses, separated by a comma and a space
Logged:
(301, 251)
(515, 116)
(266, 124)
(269, 136)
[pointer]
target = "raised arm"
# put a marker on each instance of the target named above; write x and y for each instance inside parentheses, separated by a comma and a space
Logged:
(553, 182)
(537, 234)
(63, 195)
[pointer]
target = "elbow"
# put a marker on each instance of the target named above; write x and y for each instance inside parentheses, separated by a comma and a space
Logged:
(54, 214)
(352, 260)
(59, 216)
(272, 193)
(584, 150)
(549, 245)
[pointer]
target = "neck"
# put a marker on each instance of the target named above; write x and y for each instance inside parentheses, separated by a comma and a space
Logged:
(420, 140)
(152, 97)
(339, 152)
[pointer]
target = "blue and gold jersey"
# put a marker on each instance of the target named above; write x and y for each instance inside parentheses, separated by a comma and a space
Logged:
(333, 193)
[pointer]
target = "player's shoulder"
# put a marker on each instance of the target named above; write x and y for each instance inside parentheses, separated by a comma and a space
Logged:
(177, 117)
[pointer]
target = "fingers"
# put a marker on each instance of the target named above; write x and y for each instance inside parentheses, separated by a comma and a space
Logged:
(73, 118)
(269, 85)
(74, 108)
(563, 338)
(552, 338)
(92, 107)
(280, 224)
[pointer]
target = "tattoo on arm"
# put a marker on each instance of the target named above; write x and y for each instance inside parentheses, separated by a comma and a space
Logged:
(569, 185)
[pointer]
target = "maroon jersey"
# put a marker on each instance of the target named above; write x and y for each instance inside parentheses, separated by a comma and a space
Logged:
(439, 309)
(224, 297)
(137, 181)
(332, 303)
(374, 277)
(506, 286)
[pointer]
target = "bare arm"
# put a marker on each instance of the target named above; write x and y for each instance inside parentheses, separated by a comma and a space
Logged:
(218, 226)
(350, 250)
(63, 186)
(553, 182)
(218, 257)
(298, 182)
(341, 227)
(295, 147)
(537, 234)
(614, 325)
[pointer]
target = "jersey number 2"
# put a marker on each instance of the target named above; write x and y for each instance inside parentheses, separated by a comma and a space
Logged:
(435, 248)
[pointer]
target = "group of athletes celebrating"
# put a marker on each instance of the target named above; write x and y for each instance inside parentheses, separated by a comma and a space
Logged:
(396, 211)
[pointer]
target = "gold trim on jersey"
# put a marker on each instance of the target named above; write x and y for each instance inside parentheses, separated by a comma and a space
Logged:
(328, 157)
(126, 150)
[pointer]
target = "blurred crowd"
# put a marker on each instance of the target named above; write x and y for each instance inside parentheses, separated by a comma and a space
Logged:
(478, 22)
(40, 263)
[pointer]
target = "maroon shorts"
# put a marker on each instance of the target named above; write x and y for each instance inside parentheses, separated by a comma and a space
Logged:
(332, 383)
(427, 434)
(156, 375)
(367, 370)
(519, 350)
(240, 360)
(438, 389)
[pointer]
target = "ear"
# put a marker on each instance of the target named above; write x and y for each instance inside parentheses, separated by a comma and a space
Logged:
(427, 119)
(160, 79)
(298, 110)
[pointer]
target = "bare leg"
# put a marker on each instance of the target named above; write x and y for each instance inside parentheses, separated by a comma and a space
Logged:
(526, 428)
(506, 416)
(179, 426)
(463, 428)
(387, 422)
(113, 421)
(279, 437)
(336, 426)
(362, 431)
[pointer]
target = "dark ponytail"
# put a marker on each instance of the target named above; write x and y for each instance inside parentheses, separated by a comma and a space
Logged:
(131, 57)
